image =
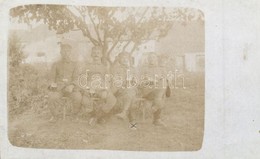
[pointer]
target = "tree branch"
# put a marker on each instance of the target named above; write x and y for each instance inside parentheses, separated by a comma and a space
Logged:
(95, 26)
(139, 21)
(129, 41)
(134, 47)
(114, 44)
(82, 26)
(112, 13)
(119, 36)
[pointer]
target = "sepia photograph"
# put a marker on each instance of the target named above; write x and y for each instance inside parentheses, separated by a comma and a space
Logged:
(106, 78)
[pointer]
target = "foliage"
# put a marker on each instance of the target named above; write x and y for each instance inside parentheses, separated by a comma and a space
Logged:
(108, 26)
(16, 54)
(26, 85)
(26, 88)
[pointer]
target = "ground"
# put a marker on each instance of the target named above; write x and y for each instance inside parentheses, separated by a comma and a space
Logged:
(183, 114)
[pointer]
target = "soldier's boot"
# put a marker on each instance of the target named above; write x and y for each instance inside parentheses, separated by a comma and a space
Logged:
(157, 121)
(54, 113)
(92, 121)
(132, 121)
(76, 99)
(124, 114)
(96, 120)
(131, 117)
(53, 105)
(53, 119)
(100, 116)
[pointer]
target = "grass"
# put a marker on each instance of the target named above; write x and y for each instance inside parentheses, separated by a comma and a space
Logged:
(184, 115)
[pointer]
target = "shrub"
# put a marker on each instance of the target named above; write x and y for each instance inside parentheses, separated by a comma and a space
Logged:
(26, 85)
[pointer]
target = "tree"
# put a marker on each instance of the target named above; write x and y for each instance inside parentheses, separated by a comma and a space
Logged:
(15, 51)
(113, 27)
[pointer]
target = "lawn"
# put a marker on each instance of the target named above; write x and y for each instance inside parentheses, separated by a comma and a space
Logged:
(183, 114)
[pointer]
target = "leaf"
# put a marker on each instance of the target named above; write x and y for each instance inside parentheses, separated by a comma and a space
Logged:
(134, 26)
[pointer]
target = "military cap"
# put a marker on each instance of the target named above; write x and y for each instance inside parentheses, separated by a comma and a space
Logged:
(66, 46)
(123, 54)
(97, 47)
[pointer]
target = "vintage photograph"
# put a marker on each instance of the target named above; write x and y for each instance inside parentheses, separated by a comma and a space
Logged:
(106, 78)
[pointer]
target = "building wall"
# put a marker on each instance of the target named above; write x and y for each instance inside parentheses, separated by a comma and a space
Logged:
(190, 62)
(193, 63)
(180, 40)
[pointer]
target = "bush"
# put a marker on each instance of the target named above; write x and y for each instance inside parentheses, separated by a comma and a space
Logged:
(15, 51)
(26, 85)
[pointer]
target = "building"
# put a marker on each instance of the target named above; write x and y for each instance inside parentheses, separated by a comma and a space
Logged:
(184, 45)
(190, 62)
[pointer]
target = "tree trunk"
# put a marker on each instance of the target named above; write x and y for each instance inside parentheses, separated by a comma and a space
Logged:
(106, 57)
(134, 48)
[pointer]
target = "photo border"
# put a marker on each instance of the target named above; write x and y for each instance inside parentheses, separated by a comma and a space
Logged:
(214, 112)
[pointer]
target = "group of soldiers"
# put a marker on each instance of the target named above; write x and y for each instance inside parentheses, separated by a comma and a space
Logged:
(103, 102)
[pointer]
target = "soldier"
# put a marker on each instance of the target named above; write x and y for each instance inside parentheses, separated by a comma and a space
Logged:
(97, 88)
(153, 87)
(64, 74)
(122, 73)
(167, 73)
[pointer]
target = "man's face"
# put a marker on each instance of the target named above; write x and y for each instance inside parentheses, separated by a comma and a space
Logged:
(96, 54)
(163, 62)
(65, 54)
(152, 59)
(124, 61)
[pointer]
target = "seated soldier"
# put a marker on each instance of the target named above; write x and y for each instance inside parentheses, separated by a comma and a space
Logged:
(121, 71)
(63, 78)
(97, 99)
(153, 87)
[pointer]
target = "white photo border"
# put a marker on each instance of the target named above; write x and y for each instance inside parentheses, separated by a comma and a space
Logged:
(215, 117)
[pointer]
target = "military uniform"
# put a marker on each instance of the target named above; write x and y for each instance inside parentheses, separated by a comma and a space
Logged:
(154, 88)
(65, 75)
(125, 93)
(97, 99)
(105, 97)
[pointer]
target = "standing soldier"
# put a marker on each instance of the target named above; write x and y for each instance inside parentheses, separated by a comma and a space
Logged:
(123, 72)
(153, 87)
(167, 73)
(64, 74)
(97, 98)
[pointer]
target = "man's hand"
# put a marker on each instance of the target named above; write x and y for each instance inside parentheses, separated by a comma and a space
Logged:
(53, 85)
(69, 88)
